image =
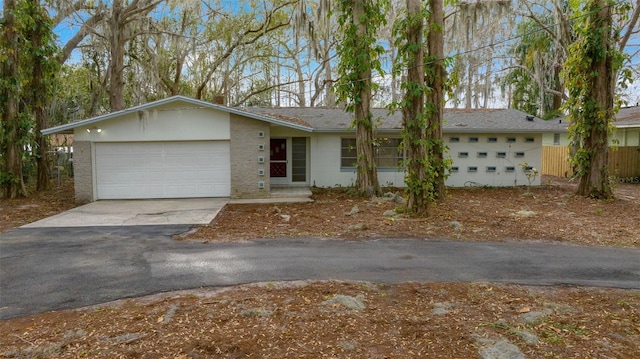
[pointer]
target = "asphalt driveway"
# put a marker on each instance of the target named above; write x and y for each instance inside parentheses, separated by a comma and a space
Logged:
(45, 269)
(137, 213)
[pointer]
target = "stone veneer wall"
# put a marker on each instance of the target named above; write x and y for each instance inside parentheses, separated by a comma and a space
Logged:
(244, 158)
(82, 171)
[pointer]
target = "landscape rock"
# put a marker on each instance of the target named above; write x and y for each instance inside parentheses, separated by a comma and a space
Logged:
(526, 335)
(256, 312)
(353, 211)
(168, 317)
(390, 213)
(524, 214)
(353, 303)
(455, 225)
(534, 315)
(498, 348)
(442, 308)
(357, 227)
(348, 346)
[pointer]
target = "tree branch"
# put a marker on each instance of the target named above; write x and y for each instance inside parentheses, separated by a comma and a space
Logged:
(85, 30)
(632, 23)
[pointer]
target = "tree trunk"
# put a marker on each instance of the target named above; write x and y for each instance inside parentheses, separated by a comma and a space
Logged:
(413, 114)
(436, 96)
(329, 96)
(11, 180)
(116, 52)
(39, 95)
(595, 181)
(469, 93)
(367, 178)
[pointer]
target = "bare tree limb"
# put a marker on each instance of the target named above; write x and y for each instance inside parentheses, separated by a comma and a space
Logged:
(632, 23)
(86, 29)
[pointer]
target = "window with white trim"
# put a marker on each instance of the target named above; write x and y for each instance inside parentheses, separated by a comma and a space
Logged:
(387, 152)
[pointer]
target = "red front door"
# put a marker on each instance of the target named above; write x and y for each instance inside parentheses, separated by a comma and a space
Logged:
(278, 157)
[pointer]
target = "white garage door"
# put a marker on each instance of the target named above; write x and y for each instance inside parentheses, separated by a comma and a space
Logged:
(163, 169)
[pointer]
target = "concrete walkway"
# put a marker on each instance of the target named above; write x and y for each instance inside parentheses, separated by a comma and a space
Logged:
(148, 212)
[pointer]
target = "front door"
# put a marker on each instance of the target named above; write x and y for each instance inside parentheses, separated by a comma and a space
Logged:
(278, 157)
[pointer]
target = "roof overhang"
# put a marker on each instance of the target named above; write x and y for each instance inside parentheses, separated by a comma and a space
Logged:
(68, 128)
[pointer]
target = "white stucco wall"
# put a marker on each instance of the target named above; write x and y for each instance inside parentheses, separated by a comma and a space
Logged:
(326, 171)
(623, 136)
(547, 139)
(627, 136)
(176, 122)
(514, 154)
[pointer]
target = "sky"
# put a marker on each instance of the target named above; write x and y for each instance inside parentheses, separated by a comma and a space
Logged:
(70, 26)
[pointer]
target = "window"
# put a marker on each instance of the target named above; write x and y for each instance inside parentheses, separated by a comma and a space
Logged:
(472, 169)
(501, 154)
(473, 139)
(511, 139)
(482, 155)
(492, 139)
(298, 159)
(519, 154)
(509, 169)
(454, 169)
(388, 153)
(529, 139)
(491, 169)
(556, 138)
(348, 154)
(463, 154)
(454, 139)
(527, 168)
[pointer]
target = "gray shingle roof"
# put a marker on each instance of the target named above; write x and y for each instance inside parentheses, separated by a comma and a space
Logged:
(628, 117)
(456, 120)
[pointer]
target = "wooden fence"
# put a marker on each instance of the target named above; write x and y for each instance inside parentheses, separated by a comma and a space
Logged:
(624, 162)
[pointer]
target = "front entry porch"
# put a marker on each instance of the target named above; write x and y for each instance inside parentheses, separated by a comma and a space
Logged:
(288, 162)
(291, 192)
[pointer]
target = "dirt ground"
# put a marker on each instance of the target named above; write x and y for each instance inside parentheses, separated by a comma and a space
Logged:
(363, 320)
(550, 212)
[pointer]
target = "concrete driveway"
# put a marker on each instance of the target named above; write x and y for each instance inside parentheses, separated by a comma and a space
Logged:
(192, 211)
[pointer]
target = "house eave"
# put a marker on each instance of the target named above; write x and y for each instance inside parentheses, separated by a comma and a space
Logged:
(69, 127)
(448, 130)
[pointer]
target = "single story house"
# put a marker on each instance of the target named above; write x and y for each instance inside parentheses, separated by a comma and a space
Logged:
(180, 147)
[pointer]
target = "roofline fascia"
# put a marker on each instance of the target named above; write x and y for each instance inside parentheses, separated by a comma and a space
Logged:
(445, 130)
(204, 104)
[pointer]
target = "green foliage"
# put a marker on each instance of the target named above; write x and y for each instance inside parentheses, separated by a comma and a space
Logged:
(591, 120)
(358, 53)
(33, 89)
(535, 58)
(422, 168)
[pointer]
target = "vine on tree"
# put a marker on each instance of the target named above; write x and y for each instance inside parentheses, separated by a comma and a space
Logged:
(359, 56)
(590, 76)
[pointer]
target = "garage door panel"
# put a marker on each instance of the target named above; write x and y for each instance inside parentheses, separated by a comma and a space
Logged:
(163, 169)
